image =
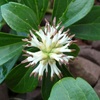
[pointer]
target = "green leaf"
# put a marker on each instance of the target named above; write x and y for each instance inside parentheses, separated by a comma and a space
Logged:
(38, 6)
(2, 2)
(89, 93)
(10, 46)
(13, 0)
(19, 79)
(6, 68)
(71, 11)
(71, 89)
(89, 27)
(18, 33)
(2, 23)
(7, 39)
(9, 51)
(47, 84)
(19, 17)
(0, 16)
(59, 8)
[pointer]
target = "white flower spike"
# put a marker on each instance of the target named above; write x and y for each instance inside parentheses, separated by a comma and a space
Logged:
(52, 45)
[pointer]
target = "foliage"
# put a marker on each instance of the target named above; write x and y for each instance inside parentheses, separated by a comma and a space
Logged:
(72, 89)
(24, 15)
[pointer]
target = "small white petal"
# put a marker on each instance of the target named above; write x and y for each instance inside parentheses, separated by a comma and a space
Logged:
(48, 43)
(36, 70)
(30, 59)
(35, 42)
(57, 71)
(60, 31)
(70, 57)
(55, 56)
(46, 67)
(62, 49)
(42, 35)
(52, 72)
(55, 38)
(41, 70)
(63, 40)
(65, 50)
(54, 68)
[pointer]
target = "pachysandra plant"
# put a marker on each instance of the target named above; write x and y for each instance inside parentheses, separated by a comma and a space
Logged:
(48, 49)
(52, 44)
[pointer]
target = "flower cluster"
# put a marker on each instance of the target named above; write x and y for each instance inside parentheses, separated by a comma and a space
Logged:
(52, 44)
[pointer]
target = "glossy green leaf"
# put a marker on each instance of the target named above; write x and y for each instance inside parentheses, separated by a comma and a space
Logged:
(7, 39)
(38, 6)
(60, 7)
(71, 89)
(13, 0)
(2, 2)
(71, 11)
(47, 83)
(10, 46)
(19, 79)
(0, 16)
(6, 68)
(9, 51)
(18, 33)
(19, 17)
(89, 27)
(2, 23)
